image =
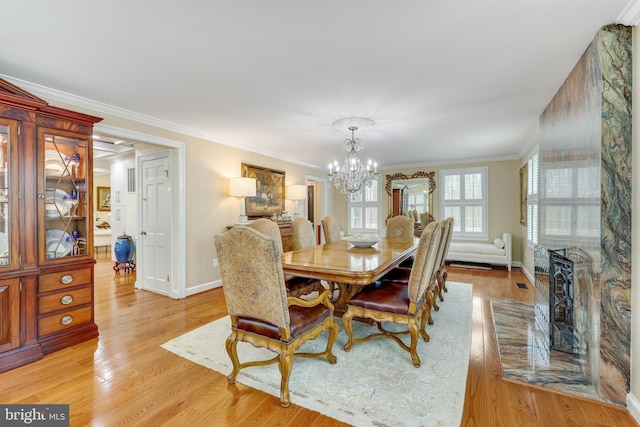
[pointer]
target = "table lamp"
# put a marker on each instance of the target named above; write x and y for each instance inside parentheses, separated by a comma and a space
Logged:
(243, 188)
(296, 193)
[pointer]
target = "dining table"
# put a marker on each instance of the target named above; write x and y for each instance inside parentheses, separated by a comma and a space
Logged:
(349, 267)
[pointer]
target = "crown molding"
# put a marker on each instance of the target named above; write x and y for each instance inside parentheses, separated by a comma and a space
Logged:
(101, 107)
(630, 16)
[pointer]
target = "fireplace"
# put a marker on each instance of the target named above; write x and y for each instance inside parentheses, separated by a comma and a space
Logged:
(562, 327)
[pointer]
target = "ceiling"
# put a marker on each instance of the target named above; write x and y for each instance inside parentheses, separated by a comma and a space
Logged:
(444, 81)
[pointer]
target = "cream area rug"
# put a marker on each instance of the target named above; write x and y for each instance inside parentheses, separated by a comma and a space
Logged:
(375, 384)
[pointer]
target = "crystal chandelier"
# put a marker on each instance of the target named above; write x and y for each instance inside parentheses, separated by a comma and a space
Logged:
(354, 174)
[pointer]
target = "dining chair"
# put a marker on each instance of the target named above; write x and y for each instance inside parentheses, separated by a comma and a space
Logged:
(331, 229)
(396, 302)
(400, 226)
(402, 274)
(302, 234)
(442, 273)
(296, 286)
(261, 311)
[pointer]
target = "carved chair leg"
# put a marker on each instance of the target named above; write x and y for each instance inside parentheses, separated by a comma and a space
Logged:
(444, 281)
(429, 301)
(231, 346)
(333, 334)
(440, 285)
(423, 322)
(285, 365)
(346, 323)
(413, 331)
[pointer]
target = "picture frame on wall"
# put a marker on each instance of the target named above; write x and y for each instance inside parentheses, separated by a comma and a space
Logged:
(103, 198)
(269, 197)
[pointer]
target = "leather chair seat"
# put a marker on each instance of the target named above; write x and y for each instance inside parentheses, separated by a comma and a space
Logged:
(302, 319)
(294, 283)
(385, 297)
(397, 275)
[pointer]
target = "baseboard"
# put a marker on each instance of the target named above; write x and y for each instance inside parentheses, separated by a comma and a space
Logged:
(474, 265)
(203, 287)
(633, 405)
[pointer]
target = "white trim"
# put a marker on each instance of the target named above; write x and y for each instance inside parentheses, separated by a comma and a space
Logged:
(181, 274)
(630, 16)
(204, 287)
(101, 107)
(633, 405)
(450, 162)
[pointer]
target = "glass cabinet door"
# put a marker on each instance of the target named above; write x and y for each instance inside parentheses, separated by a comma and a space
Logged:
(8, 194)
(66, 207)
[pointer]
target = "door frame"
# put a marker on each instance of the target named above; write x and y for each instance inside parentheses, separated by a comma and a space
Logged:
(177, 163)
(323, 200)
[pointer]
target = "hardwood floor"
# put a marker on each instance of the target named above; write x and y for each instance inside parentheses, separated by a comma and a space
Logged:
(125, 378)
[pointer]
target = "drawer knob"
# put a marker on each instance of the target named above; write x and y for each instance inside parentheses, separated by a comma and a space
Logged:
(66, 320)
(67, 299)
(66, 279)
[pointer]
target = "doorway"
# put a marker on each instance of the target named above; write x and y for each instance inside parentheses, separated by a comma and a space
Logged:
(316, 203)
(171, 272)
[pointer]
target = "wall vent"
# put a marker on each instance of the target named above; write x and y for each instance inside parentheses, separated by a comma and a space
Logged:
(131, 180)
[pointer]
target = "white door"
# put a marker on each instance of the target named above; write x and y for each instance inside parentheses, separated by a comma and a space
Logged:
(155, 225)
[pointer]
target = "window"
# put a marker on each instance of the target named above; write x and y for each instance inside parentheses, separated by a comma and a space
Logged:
(571, 195)
(464, 196)
(364, 209)
(532, 200)
(418, 201)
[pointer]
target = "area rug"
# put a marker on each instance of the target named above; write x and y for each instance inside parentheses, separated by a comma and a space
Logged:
(375, 384)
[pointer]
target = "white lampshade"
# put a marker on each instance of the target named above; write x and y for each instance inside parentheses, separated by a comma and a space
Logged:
(297, 192)
(242, 187)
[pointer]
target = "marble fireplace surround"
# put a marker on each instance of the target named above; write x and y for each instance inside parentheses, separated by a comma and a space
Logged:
(585, 201)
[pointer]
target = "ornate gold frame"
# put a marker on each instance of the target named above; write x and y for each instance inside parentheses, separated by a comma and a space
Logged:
(523, 195)
(420, 174)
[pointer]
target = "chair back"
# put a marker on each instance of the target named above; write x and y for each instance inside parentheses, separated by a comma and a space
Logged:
(252, 277)
(400, 226)
(424, 264)
(425, 219)
(268, 228)
(302, 234)
(447, 239)
(444, 224)
(331, 229)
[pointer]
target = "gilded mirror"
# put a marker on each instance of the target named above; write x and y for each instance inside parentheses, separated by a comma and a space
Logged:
(403, 189)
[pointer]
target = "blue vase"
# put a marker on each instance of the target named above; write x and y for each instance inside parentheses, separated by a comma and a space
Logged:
(124, 248)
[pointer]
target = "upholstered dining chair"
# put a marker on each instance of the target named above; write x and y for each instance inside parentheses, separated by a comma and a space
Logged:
(302, 234)
(400, 226)
(396, 302)
(296, 286)
(331, 229)
(261, 311)
(442, 273)
(402, 274)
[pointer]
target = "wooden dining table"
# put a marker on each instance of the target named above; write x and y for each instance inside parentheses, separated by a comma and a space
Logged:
(349, 267)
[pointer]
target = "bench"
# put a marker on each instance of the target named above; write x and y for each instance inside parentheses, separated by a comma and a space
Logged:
(497, 253)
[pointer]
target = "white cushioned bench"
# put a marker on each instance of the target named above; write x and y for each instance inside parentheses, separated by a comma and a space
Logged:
(496, 253)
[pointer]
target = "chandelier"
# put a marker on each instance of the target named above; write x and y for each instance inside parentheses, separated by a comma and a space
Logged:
(354, 174)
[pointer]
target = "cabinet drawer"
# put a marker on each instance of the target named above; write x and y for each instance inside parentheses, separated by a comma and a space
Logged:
(64, 320)
(64, 279)
(63, 300)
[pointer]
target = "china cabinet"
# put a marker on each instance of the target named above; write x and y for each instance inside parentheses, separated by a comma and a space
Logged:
(46, 237)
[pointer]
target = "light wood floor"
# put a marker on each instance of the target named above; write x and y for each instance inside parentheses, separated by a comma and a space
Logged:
(124, 377)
